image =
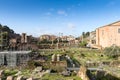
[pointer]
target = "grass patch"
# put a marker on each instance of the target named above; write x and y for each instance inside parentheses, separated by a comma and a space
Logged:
(59, 77)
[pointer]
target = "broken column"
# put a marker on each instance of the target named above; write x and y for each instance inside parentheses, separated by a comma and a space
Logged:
(53, 57)
(58, 57)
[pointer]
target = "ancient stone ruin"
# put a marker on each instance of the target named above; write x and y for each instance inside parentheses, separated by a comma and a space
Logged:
(83, 73)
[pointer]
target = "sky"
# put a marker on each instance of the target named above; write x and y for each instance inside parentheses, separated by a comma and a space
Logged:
(70, 17)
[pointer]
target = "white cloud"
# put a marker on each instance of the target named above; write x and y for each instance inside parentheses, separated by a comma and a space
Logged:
(48, 13)
(62, 12)
(71, 25)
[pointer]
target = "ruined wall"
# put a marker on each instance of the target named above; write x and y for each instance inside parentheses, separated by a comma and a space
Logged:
(83, 73)
(13, 58)
(53, 63)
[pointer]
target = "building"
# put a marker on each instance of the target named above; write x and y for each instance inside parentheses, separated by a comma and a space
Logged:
(64, 38)
(14, 58)
(43, 37)
(24, 38)
(92, 37)
(14, 41)
(70, 38)
(108, 35)
(52, 37)
(48, 37)
(29, 39)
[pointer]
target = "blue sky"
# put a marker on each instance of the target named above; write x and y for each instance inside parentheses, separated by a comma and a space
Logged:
(70, 17)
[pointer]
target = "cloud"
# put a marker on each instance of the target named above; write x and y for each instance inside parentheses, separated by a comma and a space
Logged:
(48, 13)
(62, 12)
(71, 25)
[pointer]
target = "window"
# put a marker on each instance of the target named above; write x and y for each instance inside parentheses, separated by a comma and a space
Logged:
(118, 30)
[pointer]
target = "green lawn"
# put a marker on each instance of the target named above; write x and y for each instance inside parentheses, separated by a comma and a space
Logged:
(82, 55)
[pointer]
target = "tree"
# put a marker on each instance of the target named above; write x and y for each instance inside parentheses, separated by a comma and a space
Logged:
(83, 44)
(85, 34)
(0, 26)
(5, 35)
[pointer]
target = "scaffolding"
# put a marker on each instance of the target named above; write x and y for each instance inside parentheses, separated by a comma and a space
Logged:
(1, 59)
(22, 59)
(14, 58)
(11, 59)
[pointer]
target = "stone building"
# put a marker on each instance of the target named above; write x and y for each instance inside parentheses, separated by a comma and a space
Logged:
(14, 58)
(47, 37)
(24, 38)
(93, 37)
(108, 35)
(70, 38)
(14, 41)
(29, 39)
(42, 37)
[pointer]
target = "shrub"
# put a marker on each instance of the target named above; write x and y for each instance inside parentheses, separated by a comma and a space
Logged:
(31, 64)
(83, 44)
(10, 72)
(112, 52)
